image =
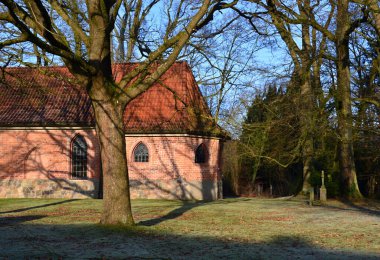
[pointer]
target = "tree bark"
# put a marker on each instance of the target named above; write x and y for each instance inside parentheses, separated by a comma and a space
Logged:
(109, 127)
(109, 121)
(307, 128)
(307, 104)
(350, 186)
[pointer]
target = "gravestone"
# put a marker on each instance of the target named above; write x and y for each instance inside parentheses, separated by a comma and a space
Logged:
(322, 190)
(311, 198)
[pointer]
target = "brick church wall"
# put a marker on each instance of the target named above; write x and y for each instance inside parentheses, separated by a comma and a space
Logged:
(37, 163)
(171, 172)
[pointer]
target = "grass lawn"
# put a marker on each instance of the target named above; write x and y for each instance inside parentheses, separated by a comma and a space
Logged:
(231, 229)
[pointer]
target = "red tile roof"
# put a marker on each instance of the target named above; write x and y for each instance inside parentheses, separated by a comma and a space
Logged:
(47, 97)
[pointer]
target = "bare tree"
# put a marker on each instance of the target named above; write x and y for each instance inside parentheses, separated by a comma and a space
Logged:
(79, 33)
(224, 63)
(289, 20)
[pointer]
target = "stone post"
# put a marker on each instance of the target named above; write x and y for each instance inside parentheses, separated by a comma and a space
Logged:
(311, 198)
(322, 190)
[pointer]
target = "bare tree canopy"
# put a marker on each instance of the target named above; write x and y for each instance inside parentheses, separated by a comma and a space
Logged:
(79, 33)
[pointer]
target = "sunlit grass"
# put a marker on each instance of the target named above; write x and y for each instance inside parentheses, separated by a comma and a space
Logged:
(174, 229)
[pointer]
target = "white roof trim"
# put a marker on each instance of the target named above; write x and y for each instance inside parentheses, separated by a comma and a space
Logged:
(171, 135)
(47, 128)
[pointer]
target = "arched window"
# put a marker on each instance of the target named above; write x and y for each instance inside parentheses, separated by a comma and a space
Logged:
(201, 154)
(79, 158)
(141, 153)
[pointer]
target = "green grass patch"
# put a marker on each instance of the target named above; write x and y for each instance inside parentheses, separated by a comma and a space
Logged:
(232, 228)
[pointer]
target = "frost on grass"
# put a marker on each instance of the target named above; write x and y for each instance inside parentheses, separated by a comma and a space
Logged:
(229, 229)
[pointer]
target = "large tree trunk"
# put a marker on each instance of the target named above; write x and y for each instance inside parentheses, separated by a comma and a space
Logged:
(109, 126)
(343, 105)
(307, 127)
(109, 110)
(302, 63)
(307, 124)
(307, 104)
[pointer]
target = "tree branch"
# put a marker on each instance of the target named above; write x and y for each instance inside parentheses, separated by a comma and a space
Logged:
(71, 22)
(23, 38)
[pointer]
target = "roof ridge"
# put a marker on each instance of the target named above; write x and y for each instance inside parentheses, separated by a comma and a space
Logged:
(64, 66)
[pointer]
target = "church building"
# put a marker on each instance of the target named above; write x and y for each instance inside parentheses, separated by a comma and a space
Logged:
(49, 147)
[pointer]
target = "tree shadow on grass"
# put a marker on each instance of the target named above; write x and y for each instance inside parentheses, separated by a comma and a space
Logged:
(16, 220)
(37, 207)
(94, 242)
(367, 210)
(175, 213)
(351, 206)
(185, 207)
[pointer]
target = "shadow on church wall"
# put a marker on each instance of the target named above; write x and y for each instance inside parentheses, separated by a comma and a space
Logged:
(37, 163)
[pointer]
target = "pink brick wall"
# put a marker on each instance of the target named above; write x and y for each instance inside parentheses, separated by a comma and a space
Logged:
(170, 173)
(171, 157)
(43, 154)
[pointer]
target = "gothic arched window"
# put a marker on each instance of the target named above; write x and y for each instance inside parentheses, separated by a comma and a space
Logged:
(201, 154)
(79, 158)
(141, 153)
